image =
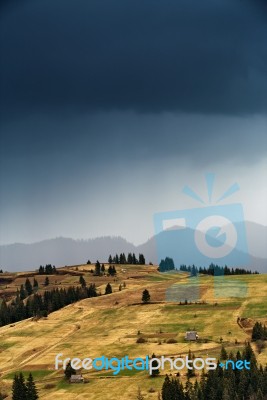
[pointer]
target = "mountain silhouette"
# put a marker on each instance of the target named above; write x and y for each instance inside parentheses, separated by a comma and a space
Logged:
(65, 251)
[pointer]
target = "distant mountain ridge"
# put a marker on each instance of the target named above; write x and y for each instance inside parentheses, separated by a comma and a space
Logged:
(66, 251)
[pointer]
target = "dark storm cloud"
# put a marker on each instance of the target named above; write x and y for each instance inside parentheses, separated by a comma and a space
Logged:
(195, 56)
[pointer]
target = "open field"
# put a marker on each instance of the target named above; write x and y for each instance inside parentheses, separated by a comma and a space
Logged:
(110, 325)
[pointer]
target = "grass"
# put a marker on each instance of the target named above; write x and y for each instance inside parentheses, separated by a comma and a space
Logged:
(37, 375)
(6, 345)
(108, 325)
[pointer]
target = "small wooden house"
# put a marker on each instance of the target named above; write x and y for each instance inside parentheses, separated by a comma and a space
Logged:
(76, 379)
(191, 335)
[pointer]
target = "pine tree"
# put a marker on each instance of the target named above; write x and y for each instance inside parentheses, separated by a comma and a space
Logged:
(190, 372)
(69, 371)
(142, 260)
(82, 282)
(22, 293)
(130, 258)
(41, 270)
(46, 282)
(21, 389)
(35, 285)
(243, 385)
(108, 289)
(15, 388)
(223, 355)
(28, 287)
(155, 372)
(146, 296)
(97, 268)
(32, 393)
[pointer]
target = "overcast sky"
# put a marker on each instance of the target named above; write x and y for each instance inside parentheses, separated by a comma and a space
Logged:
(108, 108)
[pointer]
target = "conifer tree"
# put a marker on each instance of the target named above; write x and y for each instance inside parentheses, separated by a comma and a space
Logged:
(35, 284)
(28, 287)
(15, 388)
(22, 293)
(145, 296)
(41, 270)
(142, 260)
(97, 268)
(22, 389)
(82, 282)
(223, 355)
(108, 289)
(130, 258)
(69, 371)
(155, 372)
(32, 393)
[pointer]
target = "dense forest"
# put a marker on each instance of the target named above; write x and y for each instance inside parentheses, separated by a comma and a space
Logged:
(47, 270)
(166, 265)
(38, 305)
(222, 384)
(215, 270)
(130, 259)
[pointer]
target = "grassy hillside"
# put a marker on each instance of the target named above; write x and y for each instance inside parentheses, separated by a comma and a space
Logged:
(111, 324)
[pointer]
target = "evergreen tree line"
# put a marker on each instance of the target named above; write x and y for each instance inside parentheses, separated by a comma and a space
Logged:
(131, 259)
(27, 289)
(166, 265)
(215, 270)
(259, 332)
(222, 384)
(38, 305)
(22, 390)
(47, 270)
(101, 269)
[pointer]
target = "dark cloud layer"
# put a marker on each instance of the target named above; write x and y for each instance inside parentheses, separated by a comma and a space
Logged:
(149, 56)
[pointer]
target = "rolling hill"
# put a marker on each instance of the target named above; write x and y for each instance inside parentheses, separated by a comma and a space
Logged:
(111, 325)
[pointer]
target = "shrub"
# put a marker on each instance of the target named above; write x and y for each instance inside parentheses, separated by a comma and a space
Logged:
(49, 386)
(171, 340)
(141, 340)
